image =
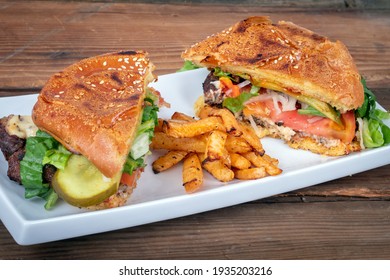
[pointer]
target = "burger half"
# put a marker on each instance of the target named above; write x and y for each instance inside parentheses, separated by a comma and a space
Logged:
(287, 82)
(92, 126)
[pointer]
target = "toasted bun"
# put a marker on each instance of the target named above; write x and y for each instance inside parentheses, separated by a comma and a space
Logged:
(310, 144)
(286, 56)
(93, 107)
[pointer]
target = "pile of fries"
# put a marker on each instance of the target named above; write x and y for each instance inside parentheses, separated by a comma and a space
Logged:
(216, 142)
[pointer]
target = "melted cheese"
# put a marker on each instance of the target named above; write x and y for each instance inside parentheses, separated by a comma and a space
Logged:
(21, 126)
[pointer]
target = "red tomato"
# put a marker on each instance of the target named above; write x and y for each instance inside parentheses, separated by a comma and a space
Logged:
(306, 123)
(130, 180)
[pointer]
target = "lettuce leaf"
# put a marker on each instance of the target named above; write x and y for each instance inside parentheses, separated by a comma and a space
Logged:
(188, 65)
(375, 132)
(40, 150)
(144, 136)
(236, 104)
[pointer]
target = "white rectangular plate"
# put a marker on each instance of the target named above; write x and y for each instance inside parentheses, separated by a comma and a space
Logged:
(160, 197)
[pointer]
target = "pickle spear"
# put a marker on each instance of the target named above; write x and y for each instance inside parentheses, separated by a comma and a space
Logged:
(81, 184)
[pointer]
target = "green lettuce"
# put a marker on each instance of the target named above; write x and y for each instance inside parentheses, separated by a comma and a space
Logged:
(188, 65)
(40, 150)
(144, 136)
(375, 132)
(236, 104)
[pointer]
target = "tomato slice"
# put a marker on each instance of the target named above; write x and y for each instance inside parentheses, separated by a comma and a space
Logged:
(130, 180)
(305, 123)
(227, 85)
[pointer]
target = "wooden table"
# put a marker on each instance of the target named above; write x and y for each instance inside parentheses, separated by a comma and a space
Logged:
(348, 218)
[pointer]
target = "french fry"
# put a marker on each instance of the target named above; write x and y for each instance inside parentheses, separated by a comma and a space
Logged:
(258, 161)
(250, 173)
(158, 127)
(237, 145)
(216, 142)
(218, 169)
(228, 119)
(167, 161)
(192, 173)
(182, 129)
(239, 162)
(182, 116)
(274, 161)
(166, 142)
(204, 112)
(215, 147)
(250, 136)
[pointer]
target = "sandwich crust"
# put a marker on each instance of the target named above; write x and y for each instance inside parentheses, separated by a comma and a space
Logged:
(287, 56)
(93, 107)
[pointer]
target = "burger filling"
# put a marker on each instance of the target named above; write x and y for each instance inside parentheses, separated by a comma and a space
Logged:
(288, 114)
(34, 156)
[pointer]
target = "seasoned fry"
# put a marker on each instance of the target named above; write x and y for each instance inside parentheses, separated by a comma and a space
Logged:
(258, 161)
(239, 162)
(250, 136)
(192, 173)
(250, 173)
(229, 120)
(166, 142)
(158, 127)
(182, 116)
(182, 129)
(237, 145)
(167, 161)
(274, 161)
(216, 142)
(204, 112)
(215, 147)
(219, 170)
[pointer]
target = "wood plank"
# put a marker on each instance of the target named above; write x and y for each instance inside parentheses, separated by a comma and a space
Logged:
(320, 230)
(43, 39)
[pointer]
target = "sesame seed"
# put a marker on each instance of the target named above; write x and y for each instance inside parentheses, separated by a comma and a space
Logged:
(275, 61)
(101, 82)
(81, 69)
(93, 85)
(105, 63)
(280, 57)
(56, 96)
(120, 60)
(295, 66)
(61, 92)
(124, 67)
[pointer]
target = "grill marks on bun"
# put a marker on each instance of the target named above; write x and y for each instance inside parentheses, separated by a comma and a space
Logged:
(93, 107)
(286, 54)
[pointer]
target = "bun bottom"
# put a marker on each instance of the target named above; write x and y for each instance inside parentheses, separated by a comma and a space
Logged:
(310, 144)
(119, 198)
(116, 200)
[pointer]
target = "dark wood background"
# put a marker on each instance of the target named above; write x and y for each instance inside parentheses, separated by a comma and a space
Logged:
(348, 218)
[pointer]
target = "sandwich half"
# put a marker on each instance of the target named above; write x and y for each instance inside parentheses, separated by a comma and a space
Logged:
(285, 80)
(94, 120)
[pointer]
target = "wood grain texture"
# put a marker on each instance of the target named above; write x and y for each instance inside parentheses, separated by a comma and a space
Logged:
(347, 218)
(319, 230)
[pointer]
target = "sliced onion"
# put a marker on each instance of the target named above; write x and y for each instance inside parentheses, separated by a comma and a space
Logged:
(288, 103)
(359, 132)
(254, 126)
(314, 119)
(243, 84)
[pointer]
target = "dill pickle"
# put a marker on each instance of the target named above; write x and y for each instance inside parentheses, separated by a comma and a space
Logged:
(81, 184)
